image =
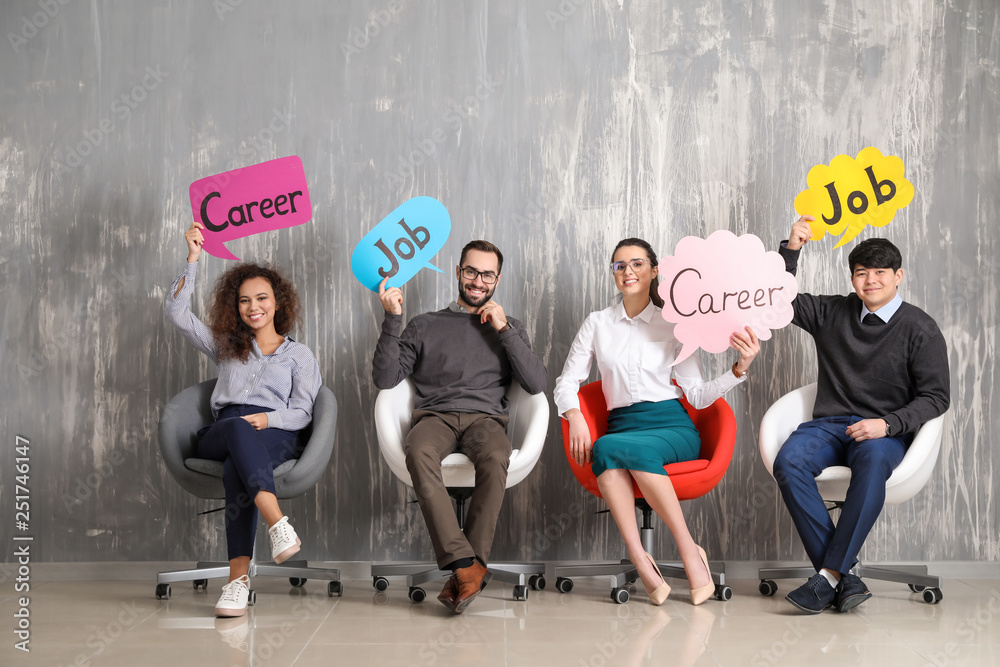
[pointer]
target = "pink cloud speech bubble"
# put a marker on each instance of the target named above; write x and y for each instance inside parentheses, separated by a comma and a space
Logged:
(243, 202)
(715, 286)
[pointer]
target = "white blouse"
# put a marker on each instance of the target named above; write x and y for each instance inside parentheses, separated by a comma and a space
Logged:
(634, 357)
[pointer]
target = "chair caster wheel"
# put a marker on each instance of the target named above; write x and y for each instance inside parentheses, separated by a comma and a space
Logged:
(417, 594)
(564, 585)
(162, 591)
(335, 589)
(932, 595)
(723, 592)
(620, 595)
(537, 582)
(380, 583)
(767, 588)
(200, 583)
(520, 593)
(915, 588)
(298, 582)
(252, 598)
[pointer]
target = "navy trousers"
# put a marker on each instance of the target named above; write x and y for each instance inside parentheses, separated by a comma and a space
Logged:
(819, 444)
(249, 458)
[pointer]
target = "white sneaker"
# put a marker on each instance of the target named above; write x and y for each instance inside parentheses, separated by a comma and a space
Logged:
(233, 601)
(234, 631)
(284, 542)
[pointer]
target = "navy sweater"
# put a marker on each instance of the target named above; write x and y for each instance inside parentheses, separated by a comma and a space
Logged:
(897, 371)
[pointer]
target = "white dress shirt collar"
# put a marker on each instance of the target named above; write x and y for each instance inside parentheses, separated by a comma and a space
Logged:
(886, 312)
(646, 315)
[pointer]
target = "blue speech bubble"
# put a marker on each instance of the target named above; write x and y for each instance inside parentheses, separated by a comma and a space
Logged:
(402, 244)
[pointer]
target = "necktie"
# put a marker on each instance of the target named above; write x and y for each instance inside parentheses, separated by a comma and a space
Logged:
(872, 318)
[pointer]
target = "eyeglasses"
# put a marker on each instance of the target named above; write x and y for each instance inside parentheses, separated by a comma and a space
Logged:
(636, 264)
(470, 273)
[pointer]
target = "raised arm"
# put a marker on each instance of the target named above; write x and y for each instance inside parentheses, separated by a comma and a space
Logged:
(393, 359)
(177, 305)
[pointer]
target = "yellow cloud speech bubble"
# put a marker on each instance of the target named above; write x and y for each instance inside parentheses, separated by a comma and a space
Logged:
(850, 193)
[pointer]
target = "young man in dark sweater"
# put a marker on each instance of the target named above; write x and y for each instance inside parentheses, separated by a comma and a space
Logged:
(460, 360)
(883, 371)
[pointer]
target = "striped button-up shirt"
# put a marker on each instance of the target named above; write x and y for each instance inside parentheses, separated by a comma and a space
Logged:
(286, 381)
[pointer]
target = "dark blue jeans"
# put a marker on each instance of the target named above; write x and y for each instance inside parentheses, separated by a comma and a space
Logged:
(249, 457)
(822, 443)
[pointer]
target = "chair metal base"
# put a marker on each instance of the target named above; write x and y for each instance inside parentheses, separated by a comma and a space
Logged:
(297, 571)
(523, 576)
(623, 574)
(914, 576)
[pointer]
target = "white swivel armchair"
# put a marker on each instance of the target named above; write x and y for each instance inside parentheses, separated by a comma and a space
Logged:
(526, 429)
(907, 479)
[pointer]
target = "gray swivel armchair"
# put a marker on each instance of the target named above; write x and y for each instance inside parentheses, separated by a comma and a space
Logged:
(187, 412)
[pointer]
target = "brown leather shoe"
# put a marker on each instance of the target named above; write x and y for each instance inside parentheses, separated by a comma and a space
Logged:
(471, 581)
(449, 593)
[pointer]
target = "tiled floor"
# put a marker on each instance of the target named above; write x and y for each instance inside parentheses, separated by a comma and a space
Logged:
(121, 623)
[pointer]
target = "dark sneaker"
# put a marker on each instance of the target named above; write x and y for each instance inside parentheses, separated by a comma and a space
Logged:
(813, 596)
(851, 592)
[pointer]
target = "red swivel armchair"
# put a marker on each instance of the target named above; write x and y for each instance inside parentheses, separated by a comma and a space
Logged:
(716, 425)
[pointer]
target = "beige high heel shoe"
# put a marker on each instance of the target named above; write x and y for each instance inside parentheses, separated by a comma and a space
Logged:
(702, 593)
(659, 596)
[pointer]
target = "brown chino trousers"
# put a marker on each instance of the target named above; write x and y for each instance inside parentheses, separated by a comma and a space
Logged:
(481, 437)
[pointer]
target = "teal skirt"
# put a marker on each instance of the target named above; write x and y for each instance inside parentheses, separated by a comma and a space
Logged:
(646, 437)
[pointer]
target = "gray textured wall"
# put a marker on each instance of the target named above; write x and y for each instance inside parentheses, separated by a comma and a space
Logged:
(553, 128)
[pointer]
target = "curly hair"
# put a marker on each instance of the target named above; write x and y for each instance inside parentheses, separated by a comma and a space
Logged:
(233, 337)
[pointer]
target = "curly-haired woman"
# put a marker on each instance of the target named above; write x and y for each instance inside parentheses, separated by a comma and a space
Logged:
(264, 396)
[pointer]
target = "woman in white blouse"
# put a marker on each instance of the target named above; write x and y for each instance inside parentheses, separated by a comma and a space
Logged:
(648, 428)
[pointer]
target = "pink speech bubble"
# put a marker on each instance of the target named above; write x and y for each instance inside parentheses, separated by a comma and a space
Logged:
(713, 287)
(243, 202)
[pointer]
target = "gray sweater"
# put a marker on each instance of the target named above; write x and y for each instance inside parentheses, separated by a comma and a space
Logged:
(456, 363)
(897, 371)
